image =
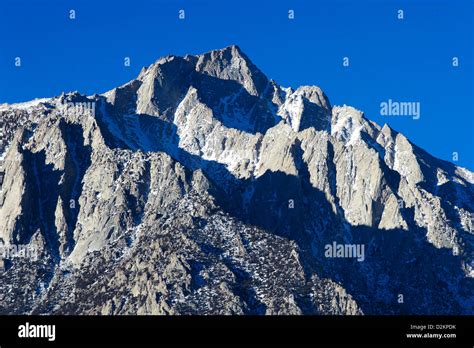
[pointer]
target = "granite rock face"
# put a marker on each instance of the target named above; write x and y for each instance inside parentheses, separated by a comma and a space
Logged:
(203, 187)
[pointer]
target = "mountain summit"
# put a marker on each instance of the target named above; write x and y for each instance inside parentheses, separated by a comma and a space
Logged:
(203, 187)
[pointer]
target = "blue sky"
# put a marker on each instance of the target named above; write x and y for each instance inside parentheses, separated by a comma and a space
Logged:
(402, 60)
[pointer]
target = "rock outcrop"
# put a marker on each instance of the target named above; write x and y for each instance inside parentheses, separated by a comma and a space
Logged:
(203, 187)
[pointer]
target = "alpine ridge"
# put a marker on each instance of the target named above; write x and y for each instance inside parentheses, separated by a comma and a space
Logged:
(203, 187)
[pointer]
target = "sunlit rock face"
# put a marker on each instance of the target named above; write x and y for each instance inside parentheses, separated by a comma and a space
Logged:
(203, 187)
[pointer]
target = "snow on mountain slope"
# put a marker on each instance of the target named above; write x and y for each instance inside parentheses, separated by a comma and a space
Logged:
(204, 187)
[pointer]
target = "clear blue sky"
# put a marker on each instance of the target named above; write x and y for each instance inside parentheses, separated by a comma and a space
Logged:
(402, 60)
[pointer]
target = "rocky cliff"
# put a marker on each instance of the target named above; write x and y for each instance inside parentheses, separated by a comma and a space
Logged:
(203, 187)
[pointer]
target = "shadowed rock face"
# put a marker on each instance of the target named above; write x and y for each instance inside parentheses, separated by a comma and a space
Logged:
(202, 187)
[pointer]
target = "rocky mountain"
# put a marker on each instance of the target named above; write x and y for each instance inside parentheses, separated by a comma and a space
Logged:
(203, 187)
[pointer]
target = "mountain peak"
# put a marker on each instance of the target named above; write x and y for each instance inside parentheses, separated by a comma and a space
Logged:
(204, 172)
(228, 51)
(231, 48)
(230, 63)
(167, 80)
